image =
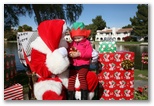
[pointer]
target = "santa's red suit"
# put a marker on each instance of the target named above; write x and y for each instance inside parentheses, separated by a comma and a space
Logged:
(50, 62)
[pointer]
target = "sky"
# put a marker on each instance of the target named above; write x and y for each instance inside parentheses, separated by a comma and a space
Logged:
(115, 15)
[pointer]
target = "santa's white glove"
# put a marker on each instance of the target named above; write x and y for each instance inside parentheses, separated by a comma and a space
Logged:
(63, 51)
(94, 56)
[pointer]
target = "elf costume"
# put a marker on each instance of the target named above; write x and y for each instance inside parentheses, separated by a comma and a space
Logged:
(80, 64)
(50, 62)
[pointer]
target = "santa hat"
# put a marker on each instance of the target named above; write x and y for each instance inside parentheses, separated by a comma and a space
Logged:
(51, 32)
(78, 29)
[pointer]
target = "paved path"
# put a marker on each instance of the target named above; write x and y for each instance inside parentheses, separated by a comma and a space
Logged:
(138, 83)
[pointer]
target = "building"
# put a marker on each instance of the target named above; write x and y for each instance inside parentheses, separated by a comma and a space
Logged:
(113, 34)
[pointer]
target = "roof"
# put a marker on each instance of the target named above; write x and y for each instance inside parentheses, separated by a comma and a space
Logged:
(125, 30)
(107, 31)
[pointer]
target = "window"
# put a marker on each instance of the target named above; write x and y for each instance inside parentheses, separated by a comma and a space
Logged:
(118, 38)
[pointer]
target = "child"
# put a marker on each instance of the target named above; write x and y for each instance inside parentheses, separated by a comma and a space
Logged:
(80, 55)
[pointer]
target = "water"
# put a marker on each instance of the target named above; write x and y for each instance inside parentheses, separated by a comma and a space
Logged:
(11, 48)
(137, 49)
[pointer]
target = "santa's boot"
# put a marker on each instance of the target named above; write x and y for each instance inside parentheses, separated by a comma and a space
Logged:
(71, 95)
(84, 94)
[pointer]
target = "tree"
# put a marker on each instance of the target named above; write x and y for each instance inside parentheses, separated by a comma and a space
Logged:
(128, 26)
(27, 28)
(20, 29)
(98, 24)
(12, 12)
(69, 12)
(24, 28)
(140, 21)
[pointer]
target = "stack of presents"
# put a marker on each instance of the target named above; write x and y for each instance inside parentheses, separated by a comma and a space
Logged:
(12, 89)
(117, 72)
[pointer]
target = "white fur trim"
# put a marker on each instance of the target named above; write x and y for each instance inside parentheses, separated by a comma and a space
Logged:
(64, 27)
(39, 45)
(41, 87)
(63, 42)
(77, 83)
(90, 95)
(78, 95)
(56, 63)
(64, 77)
(63, 51)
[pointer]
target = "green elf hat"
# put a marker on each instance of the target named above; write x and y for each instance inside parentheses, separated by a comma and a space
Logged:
(78, 29)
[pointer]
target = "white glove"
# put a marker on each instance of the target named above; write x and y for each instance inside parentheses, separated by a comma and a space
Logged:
(63, 51)
(94, 56)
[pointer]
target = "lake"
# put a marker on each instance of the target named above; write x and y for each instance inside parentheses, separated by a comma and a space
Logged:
(11, 48)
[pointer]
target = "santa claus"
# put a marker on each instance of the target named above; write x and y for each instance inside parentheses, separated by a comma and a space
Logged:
(49, 60)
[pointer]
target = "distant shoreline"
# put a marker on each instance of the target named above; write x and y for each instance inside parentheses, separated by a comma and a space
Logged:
(118, 43)
(129, 43)
(11, 41)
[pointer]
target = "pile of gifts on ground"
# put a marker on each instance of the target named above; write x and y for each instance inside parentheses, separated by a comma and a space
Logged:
(117, 73)
(12, 89)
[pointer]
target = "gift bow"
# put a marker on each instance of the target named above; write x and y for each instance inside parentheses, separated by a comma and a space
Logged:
(127, 64)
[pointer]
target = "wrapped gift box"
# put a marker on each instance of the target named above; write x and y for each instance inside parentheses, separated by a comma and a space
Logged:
(14, 92)
(9, 70)
(116, 79)
(107, 47)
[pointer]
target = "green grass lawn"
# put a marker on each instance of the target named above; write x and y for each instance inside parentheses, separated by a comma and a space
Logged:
(141, 74)
(130, 43)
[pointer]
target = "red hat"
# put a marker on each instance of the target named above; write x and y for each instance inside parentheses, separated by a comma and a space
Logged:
(51, 31)
(78, 29)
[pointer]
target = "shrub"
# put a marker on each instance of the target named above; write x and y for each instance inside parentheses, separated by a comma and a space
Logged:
(12, 38)
(127, 38)
(141, 93)
(130, 38)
